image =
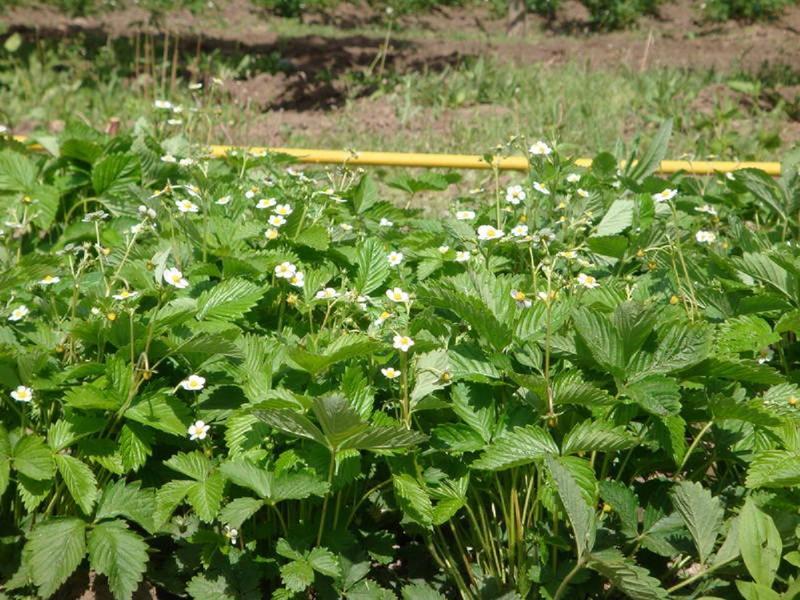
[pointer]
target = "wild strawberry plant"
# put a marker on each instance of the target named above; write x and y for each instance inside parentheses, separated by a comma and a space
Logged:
(235, 379)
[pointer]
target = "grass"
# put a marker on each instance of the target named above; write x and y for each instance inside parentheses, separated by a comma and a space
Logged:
(469, 107)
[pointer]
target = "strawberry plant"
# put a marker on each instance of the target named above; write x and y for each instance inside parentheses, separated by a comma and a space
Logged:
(236, 379)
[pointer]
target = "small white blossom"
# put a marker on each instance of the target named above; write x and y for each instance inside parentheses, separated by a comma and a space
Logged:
(186, 162)
(384, 222)
(665, 195)
(49, 280)
(705, 237)
(175, 278)
(276, 220)
(124, 295)
(394, 258)
(539, 187)
(444, 249)
(573, 178)
(465, 215)
(198, 430)
(707, 208)
(488, 232)
(397, 295)
(582, 193)
(540, 149)
(765, 355)
(298, 279)
(186, 206)
(193, 383)
(22, 394)
(519, 231)
(521, 299)
(462, 256)
(19, 313)
(391, 373)
(327, 294)
(168, 158)
(231, 533)
(266, 203)
(283, 209)
(271, 234)
(346, 226)
(515, 194)
(285, 270)
(587, 281)
(162, 104)
(402, 342)
(224, 200)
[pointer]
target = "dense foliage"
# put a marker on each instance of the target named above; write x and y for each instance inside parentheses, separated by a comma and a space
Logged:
(234, 379)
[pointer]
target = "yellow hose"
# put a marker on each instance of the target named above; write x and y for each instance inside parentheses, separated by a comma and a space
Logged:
(470, 161)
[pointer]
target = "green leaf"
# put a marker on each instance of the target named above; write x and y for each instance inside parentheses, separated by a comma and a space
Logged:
(759, 543)
(413, 499)
(315, 236)
(297, 486)
(373, 268)
(701, 513)
(599, 436)
(192, 464)
(754, 591)
(204, 587)
(297, 575)
(774, 469)
(580, 513)
(17, 172)
(168, 497)
(609, 245)
(324, 561)
(5, 460)
(602, 340)
(657, 394)
(623, 502)
(79, 479)
(244, 473)
(205, 497)
(33, 458)
(127, 500)
(650, 161)
(90, 397)
(344, 347)
(119, 554)
(239, 510)
(163, 412)
(617, 219)
(228, 300)
(521, 446)
(625, 575)
(135, 445)
(365, 194)
(55, 549)
(115, 173)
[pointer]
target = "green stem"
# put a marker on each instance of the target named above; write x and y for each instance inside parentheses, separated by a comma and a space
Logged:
(327, 496)
(565, 582)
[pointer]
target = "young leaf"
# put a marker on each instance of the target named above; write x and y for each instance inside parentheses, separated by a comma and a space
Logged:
(759, 543)
(33, 458)
(79, 479)
(205, 496)
(701, 513)
(228, 300)
(56, 548)
(413, 499)
(624, 574)
(119, 554)
(599, 436)
(324, 561)
(521, 446)
(580, 513)
(373, 268)
(239, 510)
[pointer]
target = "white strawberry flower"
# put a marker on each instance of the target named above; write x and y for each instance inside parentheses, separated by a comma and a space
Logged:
(19, 313)
(488, 232)
(266, 203)
(283, 209)
(582, 193)
(705, 237)
(175, 278)
(573, 178)
(540, 148)
(519, 231)
(402, 342)
(463, 256)
(587, 281)
(298, 279)
(193, 383)
(515, 194)
(327, 294)
(665, 195)
(124, 295)
(251, 193)
(198, 430)
(224, 200)
(521, 299)
(384, 222)
(539, 187)
(285, 270)
(271, 234)
(391, 373)
(708, 209)
(169, 159)
(382, 318)
(397, 295)
(162, 104)
(444, 249)
(186, 162)
(394, 258)
(465, 215)
(49, 280)
(186, 206)
(22, 394)
(277, 220)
